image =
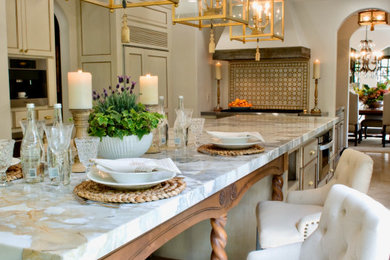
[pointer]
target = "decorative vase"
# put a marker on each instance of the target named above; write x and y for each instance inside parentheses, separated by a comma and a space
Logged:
(375, 104)
(130, 146)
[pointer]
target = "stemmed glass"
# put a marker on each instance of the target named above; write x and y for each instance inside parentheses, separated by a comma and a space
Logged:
(58, 138)
(188, 116)
(87, 149)
(6, 154)
(196, 129)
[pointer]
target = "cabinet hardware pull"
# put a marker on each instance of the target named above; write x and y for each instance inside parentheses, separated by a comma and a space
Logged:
(24, 118)
(331, 170)
(26, 50)
(47, 117)
(312, 152)
(311, 183)
(21, 50)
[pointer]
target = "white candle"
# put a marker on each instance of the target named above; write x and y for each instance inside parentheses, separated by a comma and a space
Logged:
(148, 89)
(316, 69)
(80, 90)
(218, 74)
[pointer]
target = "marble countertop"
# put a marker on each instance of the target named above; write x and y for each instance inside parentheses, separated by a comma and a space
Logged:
(39, 221)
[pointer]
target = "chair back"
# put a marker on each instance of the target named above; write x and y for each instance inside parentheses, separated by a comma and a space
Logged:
(354, 170)
(352, 226)
(386, 109)
(353, 108)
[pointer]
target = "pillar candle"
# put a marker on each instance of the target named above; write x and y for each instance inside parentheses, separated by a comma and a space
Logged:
(316, 69)
(218, 74)
(148, 89)
(80, 90)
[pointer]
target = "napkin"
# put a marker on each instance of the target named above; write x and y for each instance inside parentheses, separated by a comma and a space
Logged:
(138, 165)
(255, 135)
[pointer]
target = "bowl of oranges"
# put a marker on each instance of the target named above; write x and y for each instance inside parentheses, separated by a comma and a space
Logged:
(240, 104)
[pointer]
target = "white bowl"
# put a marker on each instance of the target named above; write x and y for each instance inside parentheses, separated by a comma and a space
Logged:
(129, 147)
(136, 177)
(234, 140)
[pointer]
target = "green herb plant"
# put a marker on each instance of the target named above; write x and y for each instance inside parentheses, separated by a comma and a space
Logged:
(116, 113)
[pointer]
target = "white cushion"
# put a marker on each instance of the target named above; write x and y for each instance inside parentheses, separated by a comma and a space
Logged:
(277, 222)
(290, 252)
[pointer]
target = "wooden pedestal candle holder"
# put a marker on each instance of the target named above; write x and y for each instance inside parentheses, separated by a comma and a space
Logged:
(80, 120)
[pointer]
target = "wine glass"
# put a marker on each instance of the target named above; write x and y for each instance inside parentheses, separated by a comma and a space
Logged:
(196, 129)
(6, 154)
(188, 116)
(58, 138)
(87, 149)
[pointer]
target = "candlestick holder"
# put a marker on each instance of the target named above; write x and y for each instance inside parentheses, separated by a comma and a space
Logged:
(218, 107)
(154, 147)
(316, 110)
(80, 121)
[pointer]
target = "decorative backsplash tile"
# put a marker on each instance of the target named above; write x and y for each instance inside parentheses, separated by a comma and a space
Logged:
(282, 85)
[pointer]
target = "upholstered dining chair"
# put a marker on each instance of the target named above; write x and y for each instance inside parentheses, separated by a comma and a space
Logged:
(352, 226)
(386, 118)
(281, 223)
(354, 125)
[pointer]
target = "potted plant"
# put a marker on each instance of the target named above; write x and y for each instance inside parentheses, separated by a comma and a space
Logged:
(123, 125)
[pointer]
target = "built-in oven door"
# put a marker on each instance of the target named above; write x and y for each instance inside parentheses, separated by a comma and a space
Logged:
(325, 151)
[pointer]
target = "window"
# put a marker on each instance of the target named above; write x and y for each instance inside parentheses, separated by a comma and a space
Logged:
(383, 72)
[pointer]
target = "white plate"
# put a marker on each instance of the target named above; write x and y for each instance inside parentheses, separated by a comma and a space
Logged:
(15, 161)
(105, 179)
(225, 138)
(235, 146)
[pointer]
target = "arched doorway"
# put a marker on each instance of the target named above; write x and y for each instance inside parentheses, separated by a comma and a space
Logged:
(344, 33)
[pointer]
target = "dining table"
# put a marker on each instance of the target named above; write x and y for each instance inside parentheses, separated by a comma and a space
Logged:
(371, 111)
(40, 221)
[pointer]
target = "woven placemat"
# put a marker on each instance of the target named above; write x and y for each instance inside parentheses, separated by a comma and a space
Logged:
(215, 150)
(99, 192)
(14, 172)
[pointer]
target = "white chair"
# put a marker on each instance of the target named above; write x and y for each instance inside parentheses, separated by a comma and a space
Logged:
(386, 118)
(352, 226)
(281, 223)
(354, 125)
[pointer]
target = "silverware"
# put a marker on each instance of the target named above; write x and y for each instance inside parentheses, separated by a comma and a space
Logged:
(83, 201)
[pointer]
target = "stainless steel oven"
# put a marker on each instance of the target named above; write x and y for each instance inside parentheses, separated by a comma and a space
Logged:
(325, 152)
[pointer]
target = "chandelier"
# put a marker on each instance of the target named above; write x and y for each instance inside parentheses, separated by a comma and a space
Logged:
(118, 4)
(266, 23)
(366, 60)
(372, 17)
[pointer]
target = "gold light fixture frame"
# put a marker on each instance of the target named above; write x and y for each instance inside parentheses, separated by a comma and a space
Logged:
(372, 17)
(253, 32)
(218, 15)
(112, 6)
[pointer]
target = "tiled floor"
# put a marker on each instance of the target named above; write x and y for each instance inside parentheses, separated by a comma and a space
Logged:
(380, 182)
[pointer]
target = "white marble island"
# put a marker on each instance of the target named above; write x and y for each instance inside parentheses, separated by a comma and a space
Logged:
(45, 222)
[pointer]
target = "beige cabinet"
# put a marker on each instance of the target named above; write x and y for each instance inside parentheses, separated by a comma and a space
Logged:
(309, 160)
(30, 27)
(41, 113)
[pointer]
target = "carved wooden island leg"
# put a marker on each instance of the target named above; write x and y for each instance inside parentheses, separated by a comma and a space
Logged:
(218, 238)
(277, 185)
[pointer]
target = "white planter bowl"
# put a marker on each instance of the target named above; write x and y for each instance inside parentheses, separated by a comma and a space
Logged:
(128, 147)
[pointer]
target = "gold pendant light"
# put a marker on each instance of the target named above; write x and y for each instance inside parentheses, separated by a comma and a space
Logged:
(372, 17)
(203, 13)
(112, 5)
(266, 23)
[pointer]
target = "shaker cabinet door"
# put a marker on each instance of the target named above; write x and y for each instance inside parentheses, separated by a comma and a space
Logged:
(30, 27)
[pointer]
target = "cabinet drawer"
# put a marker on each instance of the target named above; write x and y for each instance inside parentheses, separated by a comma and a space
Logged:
(46, 114)
(309, 152)
(309, 175)
(17, 117)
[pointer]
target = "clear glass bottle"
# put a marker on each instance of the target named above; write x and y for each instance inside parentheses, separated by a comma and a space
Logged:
(31, 150)
(163, 125)
(56, 177)
(53, 170)
(179, 125)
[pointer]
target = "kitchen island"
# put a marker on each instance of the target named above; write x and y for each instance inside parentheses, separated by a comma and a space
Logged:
(46, 222)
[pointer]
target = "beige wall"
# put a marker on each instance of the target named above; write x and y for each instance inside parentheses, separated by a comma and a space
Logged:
(5, 111)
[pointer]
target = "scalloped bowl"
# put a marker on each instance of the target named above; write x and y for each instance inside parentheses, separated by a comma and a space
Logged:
(129, 147)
